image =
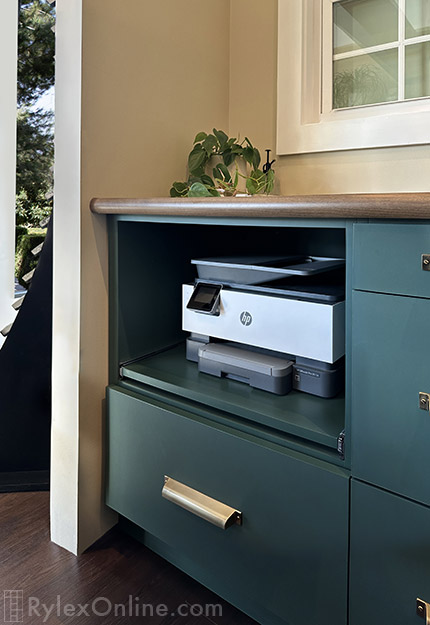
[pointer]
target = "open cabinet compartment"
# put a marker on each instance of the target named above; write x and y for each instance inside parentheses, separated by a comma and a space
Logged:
(150, 261)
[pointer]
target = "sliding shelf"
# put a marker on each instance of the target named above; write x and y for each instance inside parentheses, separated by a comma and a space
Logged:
(298, 414)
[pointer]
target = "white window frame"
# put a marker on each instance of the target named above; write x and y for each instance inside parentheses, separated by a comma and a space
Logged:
(302, 126)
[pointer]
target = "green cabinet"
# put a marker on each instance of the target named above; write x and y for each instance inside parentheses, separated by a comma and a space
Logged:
(276, 459)
(390, 557)
(390, 367)
(287, 562)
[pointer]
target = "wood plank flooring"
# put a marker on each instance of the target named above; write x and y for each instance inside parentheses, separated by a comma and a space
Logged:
(99, 584)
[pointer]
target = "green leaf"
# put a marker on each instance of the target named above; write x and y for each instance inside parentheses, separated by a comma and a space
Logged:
(248, 142)
(180, 186)
(256, 182)
(221, 136)
(256, 159)
(236, 178)
(207, 181)
(228, 158)
(251, 186)
(209, 144)
(221, 172)
(197, 159)
(200, 136)
(248, 155)
(199, 190)
(258, 176)
(237, 149)
(270, 181)
(214, 192)
(179, 189)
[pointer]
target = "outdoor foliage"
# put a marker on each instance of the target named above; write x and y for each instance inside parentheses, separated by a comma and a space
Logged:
(35, 151)
(35, 155)
(24, 259)
(36, 43)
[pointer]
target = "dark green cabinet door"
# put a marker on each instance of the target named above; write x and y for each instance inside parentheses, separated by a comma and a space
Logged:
(289, 558)
(387, 258)
(390, 557)
(390, 366)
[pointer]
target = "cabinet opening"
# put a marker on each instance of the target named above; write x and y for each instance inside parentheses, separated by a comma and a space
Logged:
(150, 270)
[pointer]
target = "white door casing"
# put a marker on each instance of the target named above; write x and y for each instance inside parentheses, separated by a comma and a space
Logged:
(8, 69)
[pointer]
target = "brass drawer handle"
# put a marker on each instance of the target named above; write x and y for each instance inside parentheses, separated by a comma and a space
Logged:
(201, 505)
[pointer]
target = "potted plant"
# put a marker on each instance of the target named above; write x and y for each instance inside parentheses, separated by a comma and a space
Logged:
(225, 155)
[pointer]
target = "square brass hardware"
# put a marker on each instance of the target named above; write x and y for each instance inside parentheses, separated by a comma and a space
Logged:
(424, 401)
(423, 610)
(425, 262)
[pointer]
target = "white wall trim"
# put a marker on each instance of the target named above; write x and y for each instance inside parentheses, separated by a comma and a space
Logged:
(8, 65)
(66, 276)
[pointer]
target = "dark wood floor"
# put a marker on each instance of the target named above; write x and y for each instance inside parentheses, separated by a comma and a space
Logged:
(116, 568)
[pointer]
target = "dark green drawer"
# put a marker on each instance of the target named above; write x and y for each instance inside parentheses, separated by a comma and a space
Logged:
(288, 558)
(390, 557)
(390, 367)
(387, 258)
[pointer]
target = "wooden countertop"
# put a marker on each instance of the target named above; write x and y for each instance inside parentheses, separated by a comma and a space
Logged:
(341, 206)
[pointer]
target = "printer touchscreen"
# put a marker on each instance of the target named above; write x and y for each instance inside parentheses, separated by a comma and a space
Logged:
(205, 298)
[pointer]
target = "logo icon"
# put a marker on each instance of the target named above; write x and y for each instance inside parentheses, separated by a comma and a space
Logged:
(245, 318)
(13, 606)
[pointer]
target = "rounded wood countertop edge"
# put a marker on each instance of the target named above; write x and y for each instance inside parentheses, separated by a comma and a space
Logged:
(340, 206)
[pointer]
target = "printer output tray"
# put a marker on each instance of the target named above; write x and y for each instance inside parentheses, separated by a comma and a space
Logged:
(258, 269)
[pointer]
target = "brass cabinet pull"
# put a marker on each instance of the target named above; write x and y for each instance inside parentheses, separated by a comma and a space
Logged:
(423, 610)
(199, 504)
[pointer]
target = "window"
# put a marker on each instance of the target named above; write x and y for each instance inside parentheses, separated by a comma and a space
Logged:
(353, 74)
(380, 51)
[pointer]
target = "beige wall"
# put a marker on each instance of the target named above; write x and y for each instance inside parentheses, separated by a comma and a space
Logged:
(253, 30)
(153, 75)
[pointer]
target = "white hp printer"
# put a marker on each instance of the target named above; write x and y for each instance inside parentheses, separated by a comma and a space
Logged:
(274, 323)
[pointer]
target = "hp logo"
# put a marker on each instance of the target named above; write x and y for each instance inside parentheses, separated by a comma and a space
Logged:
(245, 318)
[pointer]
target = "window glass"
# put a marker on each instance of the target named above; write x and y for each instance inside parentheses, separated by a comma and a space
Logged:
(363, 23)
(365, 79)
(417, 18)
(417, 82)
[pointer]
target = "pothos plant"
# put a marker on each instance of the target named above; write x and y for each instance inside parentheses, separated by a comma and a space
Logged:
(225, 178)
